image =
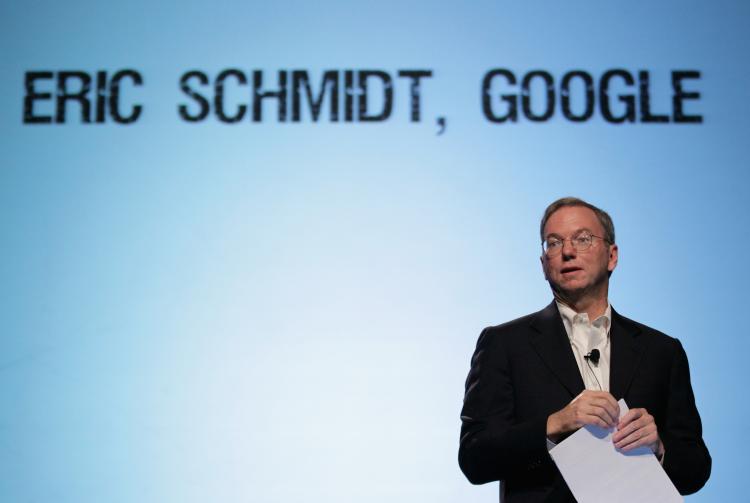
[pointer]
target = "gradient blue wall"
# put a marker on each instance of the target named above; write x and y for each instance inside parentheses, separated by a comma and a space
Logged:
(271, 312)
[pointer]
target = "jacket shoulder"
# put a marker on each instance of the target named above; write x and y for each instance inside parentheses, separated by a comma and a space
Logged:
(654, 337)
(518, 327)
(513, 325)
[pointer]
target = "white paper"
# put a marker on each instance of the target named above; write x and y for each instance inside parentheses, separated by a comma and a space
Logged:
(596, 471)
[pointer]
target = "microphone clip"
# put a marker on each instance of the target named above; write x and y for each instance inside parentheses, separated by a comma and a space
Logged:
(594, 356)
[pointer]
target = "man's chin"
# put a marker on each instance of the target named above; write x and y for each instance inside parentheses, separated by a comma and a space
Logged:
(570, 285)
(569, 291)
(575, 289)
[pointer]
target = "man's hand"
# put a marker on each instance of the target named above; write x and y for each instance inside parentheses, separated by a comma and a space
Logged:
(635, 429)
(590, 407)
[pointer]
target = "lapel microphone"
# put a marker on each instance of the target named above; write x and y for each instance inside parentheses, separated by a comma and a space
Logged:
(593, 356)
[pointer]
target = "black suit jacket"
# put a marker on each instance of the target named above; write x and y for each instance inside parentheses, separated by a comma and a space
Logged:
(524, 370)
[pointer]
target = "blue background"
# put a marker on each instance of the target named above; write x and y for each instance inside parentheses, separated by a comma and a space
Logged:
(271, 311)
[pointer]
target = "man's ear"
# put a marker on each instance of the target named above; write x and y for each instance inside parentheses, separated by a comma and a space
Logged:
(544, 267)
(613, 256)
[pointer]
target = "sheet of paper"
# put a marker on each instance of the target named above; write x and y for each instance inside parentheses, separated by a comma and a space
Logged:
(596, 471)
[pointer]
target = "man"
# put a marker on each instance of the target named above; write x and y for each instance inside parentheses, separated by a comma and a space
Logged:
(537, 379)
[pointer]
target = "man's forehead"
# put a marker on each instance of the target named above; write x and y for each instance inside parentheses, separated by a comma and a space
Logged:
(571, 219)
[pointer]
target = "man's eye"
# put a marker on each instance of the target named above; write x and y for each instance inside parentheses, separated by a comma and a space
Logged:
(554, 243)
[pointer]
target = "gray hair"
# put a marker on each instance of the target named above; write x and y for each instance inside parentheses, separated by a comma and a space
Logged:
(603, 216)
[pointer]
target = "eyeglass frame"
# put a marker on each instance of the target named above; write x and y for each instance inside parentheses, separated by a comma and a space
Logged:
(577, 234)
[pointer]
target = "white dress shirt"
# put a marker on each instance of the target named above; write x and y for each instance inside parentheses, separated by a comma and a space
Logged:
(584, 336)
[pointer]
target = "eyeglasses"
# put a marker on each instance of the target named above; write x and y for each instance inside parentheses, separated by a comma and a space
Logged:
(582, 241)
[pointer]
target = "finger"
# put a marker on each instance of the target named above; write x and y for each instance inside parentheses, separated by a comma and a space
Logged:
(630, 416)
(593, 419)
(599, 404)
(640, 435)
(637, 439)
(585, 413)
(638, 421)
(636, 415)
(604, 399)
(597, 410)
(632, 433)
(624, 430)
(612, 402)
(612, 414)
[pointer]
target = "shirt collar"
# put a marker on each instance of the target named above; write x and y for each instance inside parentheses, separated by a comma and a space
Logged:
(571, 317)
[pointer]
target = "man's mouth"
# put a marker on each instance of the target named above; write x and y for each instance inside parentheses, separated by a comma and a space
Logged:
(566, 270)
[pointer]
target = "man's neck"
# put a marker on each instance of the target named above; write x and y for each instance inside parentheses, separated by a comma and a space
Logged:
(592, 306)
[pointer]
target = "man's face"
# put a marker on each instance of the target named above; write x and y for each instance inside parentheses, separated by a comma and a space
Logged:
(570, 271)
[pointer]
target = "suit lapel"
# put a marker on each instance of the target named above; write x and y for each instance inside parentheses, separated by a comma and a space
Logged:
(550, 341)
(625, 356)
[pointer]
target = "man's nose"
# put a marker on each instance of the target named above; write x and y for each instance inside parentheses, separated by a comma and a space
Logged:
(568, 250)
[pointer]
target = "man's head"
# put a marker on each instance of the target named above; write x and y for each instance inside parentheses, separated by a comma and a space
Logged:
(579, 250)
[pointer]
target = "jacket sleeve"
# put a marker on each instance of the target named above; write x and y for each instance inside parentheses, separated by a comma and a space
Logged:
(494, 445)
(686, 461)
